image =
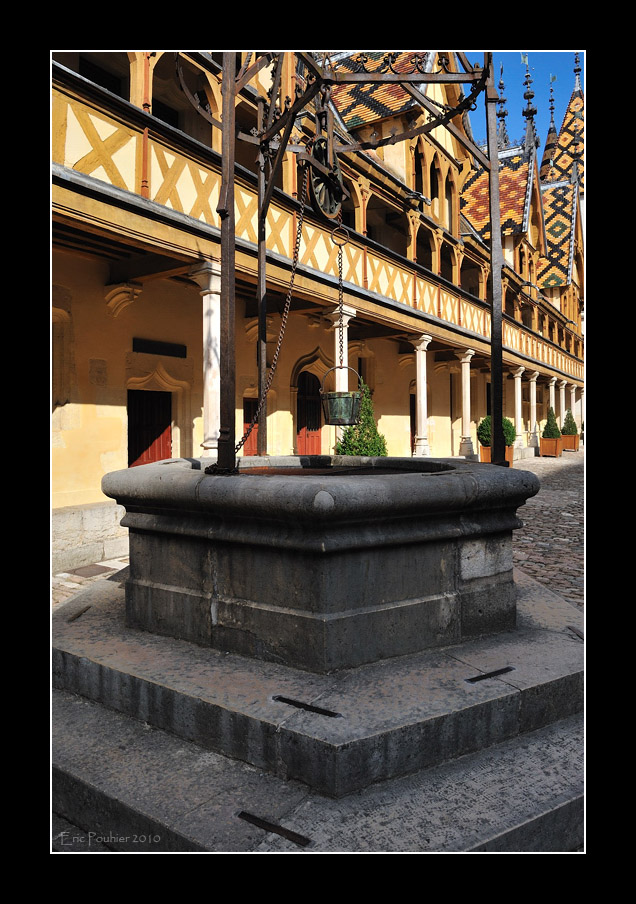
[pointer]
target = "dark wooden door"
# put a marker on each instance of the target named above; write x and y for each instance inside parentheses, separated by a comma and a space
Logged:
(308, 415)
(149, 426)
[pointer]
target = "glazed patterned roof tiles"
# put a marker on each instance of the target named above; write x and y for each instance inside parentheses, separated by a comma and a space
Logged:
(513, 189)
(548, 152)
(571, 142)
(361, 104)
(559, 204)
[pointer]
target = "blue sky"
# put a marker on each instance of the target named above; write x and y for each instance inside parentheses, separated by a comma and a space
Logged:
(543, 64)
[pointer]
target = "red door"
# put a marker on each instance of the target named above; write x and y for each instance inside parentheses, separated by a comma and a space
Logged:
(308, 415)
(149, 426)
(250, 446)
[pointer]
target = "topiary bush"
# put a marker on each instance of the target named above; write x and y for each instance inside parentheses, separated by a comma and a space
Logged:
(569, 425)
(363, 438)
(484, 431)
(551, 429)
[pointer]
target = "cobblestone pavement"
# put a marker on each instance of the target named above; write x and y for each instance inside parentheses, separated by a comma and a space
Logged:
(549, 547)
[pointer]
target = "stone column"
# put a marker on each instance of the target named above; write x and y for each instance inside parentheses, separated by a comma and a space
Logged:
(207, 274)
(518, 407)
(466, 443)
(421, 414)
(342, 376)
(561, 417)
(573, 399)
(551, 402)
(533, 437)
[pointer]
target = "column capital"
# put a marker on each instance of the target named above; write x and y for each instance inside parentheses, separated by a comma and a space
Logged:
(420, 343)
(464, 354)
(518, 371)
(532, 378)
(552, 381)
(207, 275)
(348, 313)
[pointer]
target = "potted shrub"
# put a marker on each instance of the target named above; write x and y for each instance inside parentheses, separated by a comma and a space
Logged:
(551, 442)
(484, 435)
(363, 438)
(570, 433)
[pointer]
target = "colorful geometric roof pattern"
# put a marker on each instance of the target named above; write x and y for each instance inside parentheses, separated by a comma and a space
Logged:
(514, 178)
(548, 151)
(361, 104)
(559, 206)
(570, 146)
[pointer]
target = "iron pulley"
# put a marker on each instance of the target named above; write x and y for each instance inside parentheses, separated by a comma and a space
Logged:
(326, 180)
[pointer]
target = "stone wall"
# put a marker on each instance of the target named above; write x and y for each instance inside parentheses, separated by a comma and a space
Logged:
(83, 534)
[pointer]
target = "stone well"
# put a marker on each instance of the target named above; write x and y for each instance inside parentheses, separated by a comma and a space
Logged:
(321, 563)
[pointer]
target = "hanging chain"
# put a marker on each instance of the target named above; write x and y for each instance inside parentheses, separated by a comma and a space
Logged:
(340, 236)
(285, 315)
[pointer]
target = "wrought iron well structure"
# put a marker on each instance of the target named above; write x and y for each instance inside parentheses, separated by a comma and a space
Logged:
(273, 133)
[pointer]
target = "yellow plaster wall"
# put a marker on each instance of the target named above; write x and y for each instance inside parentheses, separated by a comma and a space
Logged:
(90, 431)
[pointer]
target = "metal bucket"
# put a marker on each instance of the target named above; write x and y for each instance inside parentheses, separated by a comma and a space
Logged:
(341, 409)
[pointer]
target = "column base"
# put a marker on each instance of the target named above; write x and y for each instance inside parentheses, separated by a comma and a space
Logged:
(421, 447)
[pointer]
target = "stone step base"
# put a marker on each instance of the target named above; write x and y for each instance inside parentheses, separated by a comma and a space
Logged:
(120, 785)
(341, 732)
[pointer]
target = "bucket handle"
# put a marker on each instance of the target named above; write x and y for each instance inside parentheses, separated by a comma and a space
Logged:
(340, 367)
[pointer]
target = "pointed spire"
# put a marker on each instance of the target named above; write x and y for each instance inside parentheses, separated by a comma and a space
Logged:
(530, 112)
(551, 140)
(577, 73)
(503, 140)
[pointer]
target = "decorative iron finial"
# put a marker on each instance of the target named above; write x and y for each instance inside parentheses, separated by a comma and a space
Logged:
(577, 72)
(552, 79)
(530, 112)
(503, 140)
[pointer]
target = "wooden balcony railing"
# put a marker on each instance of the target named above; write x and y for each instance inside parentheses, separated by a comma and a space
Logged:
(144, 157)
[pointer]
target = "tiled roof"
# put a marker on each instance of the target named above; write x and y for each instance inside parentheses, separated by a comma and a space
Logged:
(559, 205)
(548, 152)
(361, 104)
(571, 142)
(514, 176)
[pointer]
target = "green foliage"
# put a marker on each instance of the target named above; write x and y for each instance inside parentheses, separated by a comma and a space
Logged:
(363, 438)
(569, 425)
(551, 429)
(509, 432)
(484, 431)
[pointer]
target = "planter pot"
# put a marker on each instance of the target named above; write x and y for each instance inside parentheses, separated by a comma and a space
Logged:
(485, 454)
(570, 443)
(551, 447)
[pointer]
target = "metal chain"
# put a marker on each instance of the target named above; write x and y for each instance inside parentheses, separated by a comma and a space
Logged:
(340, 292)
(340, 237)
(285, 315)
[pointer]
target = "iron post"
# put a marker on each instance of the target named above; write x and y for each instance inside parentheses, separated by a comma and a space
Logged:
(498, 455)
(227, 438)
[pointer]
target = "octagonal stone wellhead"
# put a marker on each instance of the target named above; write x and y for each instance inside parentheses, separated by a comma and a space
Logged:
(322, 563)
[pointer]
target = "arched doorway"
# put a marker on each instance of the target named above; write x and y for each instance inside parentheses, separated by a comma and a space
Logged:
(308, 419)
